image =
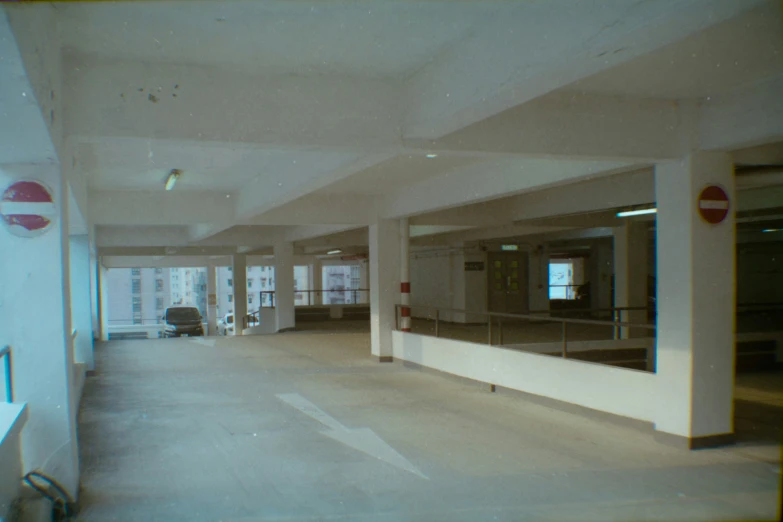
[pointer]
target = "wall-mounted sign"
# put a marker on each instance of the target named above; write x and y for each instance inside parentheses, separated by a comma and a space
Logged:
(27, 208)
(509, 248)
(713, 204)
(474, 266)
(212, 299)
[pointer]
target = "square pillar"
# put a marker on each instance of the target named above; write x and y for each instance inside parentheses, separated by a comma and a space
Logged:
(284, 287)
(602, 263)
(212, 312)
(696, 303)
(81, 305)
(316, 282)
(103, 301)
(630, 275)
(35, 299)
(384, 285)
(538, 279)
(239, 275)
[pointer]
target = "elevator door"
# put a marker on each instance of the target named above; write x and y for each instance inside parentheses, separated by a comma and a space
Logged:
(507, 283)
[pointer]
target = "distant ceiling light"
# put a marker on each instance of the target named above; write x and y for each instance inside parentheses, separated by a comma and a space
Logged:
(333, 252)
(509, 247)
(431, 156)
(641, 212)
(773, 230)
(172, 179)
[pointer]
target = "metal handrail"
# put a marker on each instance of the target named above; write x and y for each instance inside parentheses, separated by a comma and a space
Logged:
(5, 352)
(354, 291)
(501, 315)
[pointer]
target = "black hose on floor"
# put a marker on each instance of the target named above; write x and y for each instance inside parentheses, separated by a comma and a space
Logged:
(63, 506)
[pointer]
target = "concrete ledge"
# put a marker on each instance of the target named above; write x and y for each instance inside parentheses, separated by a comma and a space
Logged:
(540, 400)
(694, 443)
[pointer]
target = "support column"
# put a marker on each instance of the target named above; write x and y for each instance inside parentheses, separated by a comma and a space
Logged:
(384, 285)
(284, 287)
(81, 307)
(316, 284)
(602, 261)
(405, 276)
(696, 303)
(212, 317)
(36, 322)
(94, 289)
(239, 275)
(538, 279)
(630, 279)
(103, 301)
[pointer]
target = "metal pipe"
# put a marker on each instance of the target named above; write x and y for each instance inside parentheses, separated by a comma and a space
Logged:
(565, 340)
(500, 331)
(437, 322)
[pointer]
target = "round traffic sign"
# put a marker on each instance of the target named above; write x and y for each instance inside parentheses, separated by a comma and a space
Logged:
(713, 204)
(27, 208)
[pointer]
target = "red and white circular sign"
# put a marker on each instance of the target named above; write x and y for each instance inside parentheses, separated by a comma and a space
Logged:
(713, 204)
(27, 208)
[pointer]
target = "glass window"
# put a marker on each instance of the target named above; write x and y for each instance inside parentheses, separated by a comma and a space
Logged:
(159, 303)
(159, 285)
(230, 282)
(136, 286)
(230, 298)
(158, 270)
(135, 271)
(137, 305)
(250, 283)
(250, 299)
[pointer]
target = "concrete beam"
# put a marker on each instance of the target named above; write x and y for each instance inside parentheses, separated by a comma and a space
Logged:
(486, 74)
(486, 181)
(143, 208)
(745, 119)
(322, 209)
(577, 125)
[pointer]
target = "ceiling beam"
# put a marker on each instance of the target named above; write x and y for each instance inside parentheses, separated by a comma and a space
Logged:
(748, 118)
(143, 208)
(577, 125)
(487, 181)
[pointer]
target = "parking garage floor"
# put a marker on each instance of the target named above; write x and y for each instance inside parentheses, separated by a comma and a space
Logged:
(306, 426)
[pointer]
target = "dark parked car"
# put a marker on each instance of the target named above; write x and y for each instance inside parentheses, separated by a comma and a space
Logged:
(183, 320)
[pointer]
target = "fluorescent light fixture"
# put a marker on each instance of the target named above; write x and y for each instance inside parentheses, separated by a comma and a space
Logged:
(172, 179)
(641, 212)
(509, 247)
(773, 230)
(431, 156)
(332, 252)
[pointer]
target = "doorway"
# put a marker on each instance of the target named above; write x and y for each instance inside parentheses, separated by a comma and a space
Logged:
(507, 283)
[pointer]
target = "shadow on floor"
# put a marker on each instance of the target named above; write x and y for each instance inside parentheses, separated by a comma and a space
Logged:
(758, 422)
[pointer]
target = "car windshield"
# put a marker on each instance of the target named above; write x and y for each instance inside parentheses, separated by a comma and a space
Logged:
(182, 314)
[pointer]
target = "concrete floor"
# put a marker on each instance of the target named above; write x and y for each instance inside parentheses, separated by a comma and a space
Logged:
(194, 430)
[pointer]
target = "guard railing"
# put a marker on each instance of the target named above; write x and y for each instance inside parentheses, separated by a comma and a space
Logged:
(316, 297)
(495, 323)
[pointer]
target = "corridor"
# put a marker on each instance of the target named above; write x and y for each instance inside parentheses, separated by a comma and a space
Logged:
(304, 426)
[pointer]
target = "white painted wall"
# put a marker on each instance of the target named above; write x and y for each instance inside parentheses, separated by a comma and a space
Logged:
(36, 322)
(619, 391)
(81, 307)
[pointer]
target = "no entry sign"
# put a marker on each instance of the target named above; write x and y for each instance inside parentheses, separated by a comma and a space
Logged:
(27, 208)
(713, 204)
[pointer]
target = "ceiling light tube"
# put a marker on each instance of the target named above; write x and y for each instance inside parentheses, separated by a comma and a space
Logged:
(641, 212)
(772, 230)
(432, 156)
(333, 252)
(172, 179)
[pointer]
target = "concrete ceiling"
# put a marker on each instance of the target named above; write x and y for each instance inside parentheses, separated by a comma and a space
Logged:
(304, 121)
(743, 50)
(371, 38)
